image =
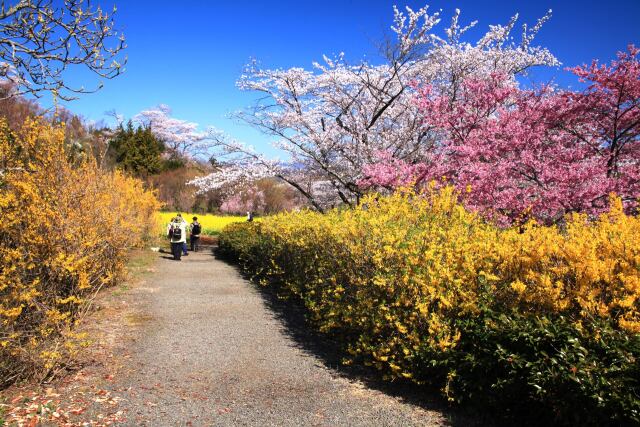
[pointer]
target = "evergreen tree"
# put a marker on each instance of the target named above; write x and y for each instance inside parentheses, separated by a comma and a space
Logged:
(137, 150)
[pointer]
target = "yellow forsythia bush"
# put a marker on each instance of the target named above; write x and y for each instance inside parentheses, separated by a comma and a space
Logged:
(589, 268)
(65, 230)
(541, 321)
(395, 270)
(397, 273)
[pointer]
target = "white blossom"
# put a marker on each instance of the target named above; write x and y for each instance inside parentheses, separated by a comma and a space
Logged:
(180, 136)
(334, 118)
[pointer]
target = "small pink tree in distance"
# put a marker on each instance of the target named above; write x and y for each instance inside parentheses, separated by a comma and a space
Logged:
(252, 199)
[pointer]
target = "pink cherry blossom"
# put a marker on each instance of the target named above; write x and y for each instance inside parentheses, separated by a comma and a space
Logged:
(538, 152)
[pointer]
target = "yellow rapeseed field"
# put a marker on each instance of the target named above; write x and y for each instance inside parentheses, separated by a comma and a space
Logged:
(211, 224)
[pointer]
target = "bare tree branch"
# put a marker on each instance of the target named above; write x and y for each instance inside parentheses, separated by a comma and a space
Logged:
(40, 41)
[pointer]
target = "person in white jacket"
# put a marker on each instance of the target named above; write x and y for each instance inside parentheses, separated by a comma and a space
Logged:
(177, 233)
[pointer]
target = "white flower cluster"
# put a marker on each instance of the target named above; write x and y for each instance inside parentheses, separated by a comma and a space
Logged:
(180, 136)
(334, 119)
(236, 174)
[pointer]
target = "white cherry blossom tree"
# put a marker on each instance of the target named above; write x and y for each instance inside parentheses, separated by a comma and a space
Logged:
(181, 137)
(335, 118)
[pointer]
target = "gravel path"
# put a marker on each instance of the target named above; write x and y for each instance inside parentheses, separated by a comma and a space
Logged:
(215, 350)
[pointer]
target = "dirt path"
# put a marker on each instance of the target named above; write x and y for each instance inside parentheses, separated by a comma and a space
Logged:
(214, 350)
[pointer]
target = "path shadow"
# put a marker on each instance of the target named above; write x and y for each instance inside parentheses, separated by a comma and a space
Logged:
(291, 315)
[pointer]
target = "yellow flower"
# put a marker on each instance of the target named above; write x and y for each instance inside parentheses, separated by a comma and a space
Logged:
(81, 221)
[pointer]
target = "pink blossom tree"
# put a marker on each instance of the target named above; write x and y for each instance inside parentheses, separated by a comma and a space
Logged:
(606, 116)
(541, 152)
(249, 200)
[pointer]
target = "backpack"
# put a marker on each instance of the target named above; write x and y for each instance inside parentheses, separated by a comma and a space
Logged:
(175, 232)
(196, 229)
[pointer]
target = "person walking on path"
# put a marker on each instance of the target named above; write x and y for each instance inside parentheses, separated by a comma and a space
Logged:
(177, 233)
(195, 229)
(184, 244)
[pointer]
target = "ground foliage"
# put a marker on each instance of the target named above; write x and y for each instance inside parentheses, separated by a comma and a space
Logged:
(65, 231)
(535, 320)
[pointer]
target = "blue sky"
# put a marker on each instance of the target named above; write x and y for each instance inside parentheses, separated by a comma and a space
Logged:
(189, 55)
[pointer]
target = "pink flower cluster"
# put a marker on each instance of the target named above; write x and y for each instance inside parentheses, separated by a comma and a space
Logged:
(249, 200)
(390, 173)
(538, 152)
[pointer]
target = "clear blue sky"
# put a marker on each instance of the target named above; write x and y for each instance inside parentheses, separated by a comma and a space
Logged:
(189, 54)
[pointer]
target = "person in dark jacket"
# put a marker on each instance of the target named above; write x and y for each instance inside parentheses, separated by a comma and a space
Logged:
(195, 229)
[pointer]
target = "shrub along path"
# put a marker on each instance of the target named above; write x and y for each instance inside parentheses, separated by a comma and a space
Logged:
(214, 350)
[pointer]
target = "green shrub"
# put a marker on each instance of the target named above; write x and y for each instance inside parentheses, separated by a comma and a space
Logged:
(542, 369)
